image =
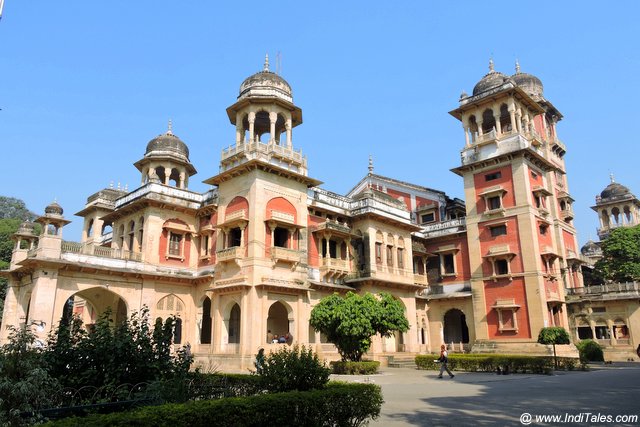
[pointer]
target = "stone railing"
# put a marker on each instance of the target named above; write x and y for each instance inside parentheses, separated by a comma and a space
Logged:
(260, 150)
(230, 254)
(285, 254)
(420, 279)
(165, 190)
(335, 264)
(283, 216)
(332, 225)
(233, 216)
(609, 288)
(100, 251)
(445, 227)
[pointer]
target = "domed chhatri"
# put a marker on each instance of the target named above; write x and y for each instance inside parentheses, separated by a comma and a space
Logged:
(265, 84)
(528, 82)
(167, 143)
(490, 80)
(27, 228)
(614, 189)
(53, 209)
(589, 248)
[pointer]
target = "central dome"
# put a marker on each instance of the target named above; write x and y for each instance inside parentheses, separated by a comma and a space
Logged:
(528, 82)
(266, 84)
(614, 190)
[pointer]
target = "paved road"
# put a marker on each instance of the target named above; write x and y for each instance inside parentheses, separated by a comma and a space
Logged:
(418, 398)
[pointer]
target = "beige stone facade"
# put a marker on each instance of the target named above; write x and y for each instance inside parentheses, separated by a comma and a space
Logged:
(251, 257)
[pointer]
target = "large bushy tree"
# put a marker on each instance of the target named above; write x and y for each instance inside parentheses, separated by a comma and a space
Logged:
(620, 255)
(349, 322)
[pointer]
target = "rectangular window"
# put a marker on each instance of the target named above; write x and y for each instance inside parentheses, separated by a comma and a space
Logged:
(498, 230)
(390, 256)
(448, 264)
(378, 253)
(205, 245)
(428, 217)
(400, 258)
(175, 244)
(543, 229)
(494, 202)
(501, 267)
(492, 176)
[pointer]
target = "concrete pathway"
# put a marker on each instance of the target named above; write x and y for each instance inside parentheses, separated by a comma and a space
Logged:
(418, 398)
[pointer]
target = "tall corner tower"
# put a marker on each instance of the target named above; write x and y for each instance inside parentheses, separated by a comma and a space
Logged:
(523, 246)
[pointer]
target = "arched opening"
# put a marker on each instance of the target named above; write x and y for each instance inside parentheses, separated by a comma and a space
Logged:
(281, 131)
(90, 228)
(234, 325)
(140, 233)
(162, 174)
(131, 236)
(627, 215)
(455, 327)
(488, 121)
(605, 218)
(205, 329)
(278, 319)
(121, 236)
(615, 212)
(505, 119)
(262, 127)
(106, 229)
(174, 178)
(168, 306)
(473, 127)
(91, 303)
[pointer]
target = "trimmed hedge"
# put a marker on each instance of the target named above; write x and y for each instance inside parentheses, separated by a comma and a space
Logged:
(355, 368)
(339, 404)
(493, 362)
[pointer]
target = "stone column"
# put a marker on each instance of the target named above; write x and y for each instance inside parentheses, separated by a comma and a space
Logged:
(239, 128)
(466, 135)
(252, 120)
(288, 127)
(273, 116)
(181, 180)
(519, 120)
(496, 117)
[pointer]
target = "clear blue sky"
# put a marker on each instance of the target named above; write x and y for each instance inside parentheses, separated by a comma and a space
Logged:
(85, 85)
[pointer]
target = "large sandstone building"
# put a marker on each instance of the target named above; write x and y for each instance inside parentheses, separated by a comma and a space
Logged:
(254, 255)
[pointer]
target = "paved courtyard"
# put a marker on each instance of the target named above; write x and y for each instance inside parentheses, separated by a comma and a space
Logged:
(418, 398)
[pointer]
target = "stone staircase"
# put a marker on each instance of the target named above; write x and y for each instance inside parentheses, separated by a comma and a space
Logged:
(402, 360)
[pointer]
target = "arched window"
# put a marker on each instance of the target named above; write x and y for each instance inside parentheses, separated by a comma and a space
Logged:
(488, 121)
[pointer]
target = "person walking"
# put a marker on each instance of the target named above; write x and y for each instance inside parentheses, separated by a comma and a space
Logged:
(444, 359)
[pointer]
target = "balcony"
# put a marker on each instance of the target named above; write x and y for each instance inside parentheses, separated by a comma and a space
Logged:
(100, 251)
(452, 226)
(279, 155)
(420, 279)
(334, 227)
(610, 291)
(284, 254)
(566, 214)
(230, 254)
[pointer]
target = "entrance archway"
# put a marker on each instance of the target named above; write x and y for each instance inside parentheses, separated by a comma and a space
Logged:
(205, 329)
(455, 327)
(90, 303)
(278, 319)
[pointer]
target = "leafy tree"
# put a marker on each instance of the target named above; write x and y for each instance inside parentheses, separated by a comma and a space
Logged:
(25, 384)
(590, 351)
(620, 255)
(350, 322)
(553, 335)
(13, 208)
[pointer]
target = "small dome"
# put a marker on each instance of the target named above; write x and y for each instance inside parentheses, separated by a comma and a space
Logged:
(26, 228)
(167, 143)
(53, 209)
(528, 82)
(490, 80)
(266, 84)
(589, 248)
(614, 190)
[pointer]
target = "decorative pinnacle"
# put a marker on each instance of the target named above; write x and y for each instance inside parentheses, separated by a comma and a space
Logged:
(170, 128)
(370, 164)
(266, 62)
(517, 67)
(611, 178)
(491, 70)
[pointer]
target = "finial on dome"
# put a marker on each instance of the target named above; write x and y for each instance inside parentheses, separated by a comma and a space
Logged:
(611, 178)
(517, 67)
(370, 164)
(491, 70)
(170, 128)
(266, 62)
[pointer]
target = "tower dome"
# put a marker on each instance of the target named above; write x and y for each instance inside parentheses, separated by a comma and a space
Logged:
(167, 144)
(528, 82)
(53, 209)
(590, 248)
(490, 80)
(614, 190)
(265, 83)
(27, 228)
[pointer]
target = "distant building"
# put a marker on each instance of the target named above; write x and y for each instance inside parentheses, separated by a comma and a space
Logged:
(253, 255)
(608, 312)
